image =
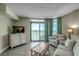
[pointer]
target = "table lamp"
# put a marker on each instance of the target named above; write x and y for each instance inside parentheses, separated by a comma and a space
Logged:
(69, 30)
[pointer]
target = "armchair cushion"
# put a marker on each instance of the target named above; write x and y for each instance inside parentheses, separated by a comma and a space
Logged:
(63, 47)
(62, 42)
(62, 52)
(69, 43)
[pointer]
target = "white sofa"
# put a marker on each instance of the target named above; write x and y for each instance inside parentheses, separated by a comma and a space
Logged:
(62, 50)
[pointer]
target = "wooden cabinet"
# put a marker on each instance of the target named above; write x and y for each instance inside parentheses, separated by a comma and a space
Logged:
(17, 39)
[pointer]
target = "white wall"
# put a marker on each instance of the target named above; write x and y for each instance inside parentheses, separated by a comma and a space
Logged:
(5, 23)
(70, 20)
(26, 24)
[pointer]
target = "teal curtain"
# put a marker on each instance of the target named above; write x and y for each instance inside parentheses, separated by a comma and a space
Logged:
(59, 25)
(48, 28)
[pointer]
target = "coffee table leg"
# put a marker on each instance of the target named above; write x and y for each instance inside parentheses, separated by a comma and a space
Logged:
(48, 49)
(31, 53)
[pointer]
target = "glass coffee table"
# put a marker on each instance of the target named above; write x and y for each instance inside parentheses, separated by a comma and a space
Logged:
(39, 48)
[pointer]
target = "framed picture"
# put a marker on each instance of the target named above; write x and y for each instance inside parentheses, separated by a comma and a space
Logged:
(18, 29)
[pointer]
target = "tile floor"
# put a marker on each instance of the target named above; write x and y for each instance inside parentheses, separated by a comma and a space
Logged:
(24, 50)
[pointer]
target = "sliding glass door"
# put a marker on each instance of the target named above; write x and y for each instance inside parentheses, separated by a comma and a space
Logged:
(34, 32)
(42, 32)
(37, 31)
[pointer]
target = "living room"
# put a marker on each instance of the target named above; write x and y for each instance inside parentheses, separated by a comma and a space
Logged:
(25, 26)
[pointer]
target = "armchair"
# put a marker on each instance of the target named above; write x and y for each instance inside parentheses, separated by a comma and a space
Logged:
(56, 39)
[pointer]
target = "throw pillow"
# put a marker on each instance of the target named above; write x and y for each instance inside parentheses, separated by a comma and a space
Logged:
(70, 43)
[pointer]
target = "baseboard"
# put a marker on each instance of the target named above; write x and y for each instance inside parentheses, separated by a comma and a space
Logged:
(4, 49)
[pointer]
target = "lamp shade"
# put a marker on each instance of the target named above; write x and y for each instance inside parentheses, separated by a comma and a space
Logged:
(69, 30)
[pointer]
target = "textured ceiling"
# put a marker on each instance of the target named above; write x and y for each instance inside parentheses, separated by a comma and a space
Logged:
(42, 10)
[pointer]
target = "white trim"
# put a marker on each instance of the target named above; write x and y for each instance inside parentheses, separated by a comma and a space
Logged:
(3, 49)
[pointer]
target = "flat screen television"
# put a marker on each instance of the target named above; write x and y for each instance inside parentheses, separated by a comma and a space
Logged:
(18, 29)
